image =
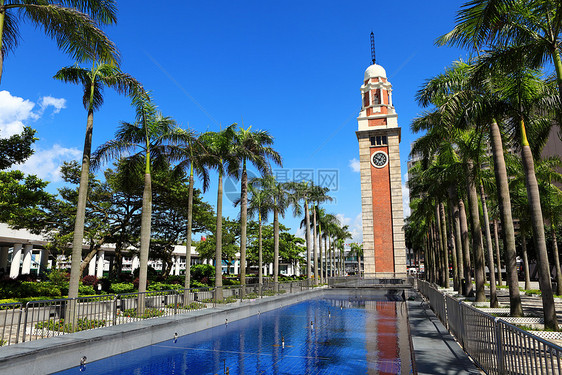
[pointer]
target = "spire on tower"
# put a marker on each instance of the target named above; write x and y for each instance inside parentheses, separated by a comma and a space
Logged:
(373, 58)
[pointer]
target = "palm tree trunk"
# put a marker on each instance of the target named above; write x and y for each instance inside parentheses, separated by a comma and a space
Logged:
(453, 247)
(479, 273)
(498, 257)
(493, 295)
(525, 261)
(218, 249)
(187, 285)
(314, 248)
(146, 217)
(467, 286)
(326, 257)
(444, 240)
(331, 258)
(78, 237)
(453, 195)
(556, 260)
(243, 224)
(275, 246)
(320, 253)
(508, 232)
(308, 247)
(533, 197)
(260, 254)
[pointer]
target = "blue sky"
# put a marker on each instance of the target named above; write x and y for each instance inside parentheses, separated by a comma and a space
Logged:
(293, 68)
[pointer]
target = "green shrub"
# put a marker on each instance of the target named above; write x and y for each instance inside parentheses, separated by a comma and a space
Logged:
(163, 286)
(201, 271)
(86, 290)
(175, 279)
(197, 284)
(61, 326)
(59, 277)
(119, 288)
(191, 306)
(230, 282)
(148, 313)
(33, 289)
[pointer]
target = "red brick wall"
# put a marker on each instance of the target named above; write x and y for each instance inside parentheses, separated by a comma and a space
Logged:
(382, 216)
(377, 121)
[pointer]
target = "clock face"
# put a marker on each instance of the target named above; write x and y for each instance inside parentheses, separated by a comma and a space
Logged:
(379, 159)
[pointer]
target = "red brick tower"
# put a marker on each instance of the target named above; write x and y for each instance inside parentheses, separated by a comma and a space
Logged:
(381, 181)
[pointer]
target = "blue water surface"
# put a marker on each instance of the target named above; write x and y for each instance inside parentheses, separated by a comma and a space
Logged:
(331, 335)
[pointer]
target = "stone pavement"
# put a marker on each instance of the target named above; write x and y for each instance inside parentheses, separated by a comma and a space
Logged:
(435, 350)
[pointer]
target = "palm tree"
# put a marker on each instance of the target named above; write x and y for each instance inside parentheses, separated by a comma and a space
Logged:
(552, 200)
(259, 205)
(357, 251)
(460, 96)
(71, 23)
(330, 224)
(513, 28)
(300, 192)
(318, 195)
(219, 149)
(253, 147)
(194, 158)
(144, 143)
(278, 196)
(93, 82)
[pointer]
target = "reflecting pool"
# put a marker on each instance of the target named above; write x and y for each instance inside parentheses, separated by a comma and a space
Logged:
(355, 332)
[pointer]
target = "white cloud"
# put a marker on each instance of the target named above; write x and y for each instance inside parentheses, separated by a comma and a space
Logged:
(46, 163)
(405, 196)
(57, 103)
(15, 112)
(354, 165)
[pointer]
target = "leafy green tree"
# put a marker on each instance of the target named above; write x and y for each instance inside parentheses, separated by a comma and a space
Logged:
(73, 24)
(171, 209)
(229, 246)
(17, 148)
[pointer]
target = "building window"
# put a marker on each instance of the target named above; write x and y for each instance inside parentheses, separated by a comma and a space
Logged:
(379, 140)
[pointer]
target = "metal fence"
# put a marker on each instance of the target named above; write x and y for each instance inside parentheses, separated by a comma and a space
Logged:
(369, 280)
(40, 319)
(495, 345)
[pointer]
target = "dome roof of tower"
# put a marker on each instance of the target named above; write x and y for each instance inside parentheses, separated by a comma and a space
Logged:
(375, 71)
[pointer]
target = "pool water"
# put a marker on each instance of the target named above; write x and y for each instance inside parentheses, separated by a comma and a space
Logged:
(348, 333)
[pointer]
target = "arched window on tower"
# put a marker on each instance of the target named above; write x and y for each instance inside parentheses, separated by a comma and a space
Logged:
(376, 97)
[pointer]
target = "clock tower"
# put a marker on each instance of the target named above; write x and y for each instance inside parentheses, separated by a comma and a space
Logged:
(378, 134)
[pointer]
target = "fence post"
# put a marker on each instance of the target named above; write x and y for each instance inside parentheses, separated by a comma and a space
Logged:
(19, 325)
(461, 325)
(177, 295)
(115, 310)
(499, 346)
(25, 323)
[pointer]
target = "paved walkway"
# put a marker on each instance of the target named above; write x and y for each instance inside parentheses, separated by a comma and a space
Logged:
(435, 350)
